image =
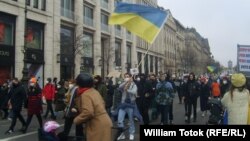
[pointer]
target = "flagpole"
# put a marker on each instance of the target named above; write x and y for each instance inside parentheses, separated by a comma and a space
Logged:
(143, 57)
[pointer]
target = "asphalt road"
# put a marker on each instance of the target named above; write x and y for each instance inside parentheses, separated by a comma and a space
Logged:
(32, 135)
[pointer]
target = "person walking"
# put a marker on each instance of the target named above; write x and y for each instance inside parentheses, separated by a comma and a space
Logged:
(71, 111)
(164, 98)
(204, 95)
(18, 97)
(92, 110)
(236, 101)
(191, 96)
(49, 94)
(4, 96)
(34, 104)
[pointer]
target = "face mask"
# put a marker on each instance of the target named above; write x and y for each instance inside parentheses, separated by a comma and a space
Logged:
(126, 79)
(138, 79)
(46, 82)
(58, 86)
(185, 81)
(71, 85)
(224, 82)
(119, 82)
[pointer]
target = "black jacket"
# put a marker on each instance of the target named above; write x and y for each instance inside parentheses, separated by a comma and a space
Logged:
(18, 97)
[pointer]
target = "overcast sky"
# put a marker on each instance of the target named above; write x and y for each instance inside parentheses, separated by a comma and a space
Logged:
(225, 23)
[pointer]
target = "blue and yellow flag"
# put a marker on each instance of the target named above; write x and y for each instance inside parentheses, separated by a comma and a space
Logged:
(144, 21)
(211, 68)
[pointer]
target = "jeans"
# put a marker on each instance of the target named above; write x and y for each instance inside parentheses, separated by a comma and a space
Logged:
(49, 109)
(121, 116)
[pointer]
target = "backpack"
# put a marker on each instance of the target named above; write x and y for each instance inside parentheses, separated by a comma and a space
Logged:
(163, 96)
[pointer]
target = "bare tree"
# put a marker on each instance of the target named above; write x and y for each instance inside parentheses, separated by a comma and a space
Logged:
(188, 58)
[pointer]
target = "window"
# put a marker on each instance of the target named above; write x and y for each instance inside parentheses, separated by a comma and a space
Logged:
(118, 53)
(146, 64)
(88, 15)
(67, 40)
(28, 2)
(67, 8)
(156, 65)
(35, 3)
(104, 19)
(34, 35)
(88, 45)
(43, 6)
(139, 58)
(6, 33)
(129, 53)
(104, 22)
(151, 64)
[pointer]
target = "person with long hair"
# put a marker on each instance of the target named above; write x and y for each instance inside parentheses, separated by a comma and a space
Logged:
(236, 101)
(92, 110)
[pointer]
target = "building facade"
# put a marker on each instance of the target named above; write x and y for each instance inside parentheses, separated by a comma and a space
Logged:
(66, 37)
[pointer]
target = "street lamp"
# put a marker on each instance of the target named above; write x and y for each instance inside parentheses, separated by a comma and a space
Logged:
(25, 70)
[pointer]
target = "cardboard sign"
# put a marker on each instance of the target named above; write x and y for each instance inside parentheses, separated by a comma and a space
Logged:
(134, 71)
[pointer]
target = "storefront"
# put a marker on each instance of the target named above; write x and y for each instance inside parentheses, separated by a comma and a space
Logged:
(7, 47)
(67, 53)
(35, 50)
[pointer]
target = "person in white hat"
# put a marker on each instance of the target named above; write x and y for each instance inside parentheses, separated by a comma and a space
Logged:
(236, 100)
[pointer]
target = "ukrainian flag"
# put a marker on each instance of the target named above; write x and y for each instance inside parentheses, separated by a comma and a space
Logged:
(144, 21)
(211, 68)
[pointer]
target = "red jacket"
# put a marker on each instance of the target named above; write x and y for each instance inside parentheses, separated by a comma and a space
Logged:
(49, 91)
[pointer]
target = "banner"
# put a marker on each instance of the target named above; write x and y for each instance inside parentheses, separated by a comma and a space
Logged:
(244, 58)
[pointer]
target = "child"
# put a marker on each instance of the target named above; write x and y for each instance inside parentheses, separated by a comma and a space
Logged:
(48, 133)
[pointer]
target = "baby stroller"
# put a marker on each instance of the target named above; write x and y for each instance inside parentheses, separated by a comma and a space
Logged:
(216, 112)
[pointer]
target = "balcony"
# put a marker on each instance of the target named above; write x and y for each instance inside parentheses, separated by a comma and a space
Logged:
(88, 21)
(105, 27)
(104, 4)
(67, 13)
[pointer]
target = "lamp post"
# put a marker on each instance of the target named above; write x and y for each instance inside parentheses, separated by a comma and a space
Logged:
(25, 67)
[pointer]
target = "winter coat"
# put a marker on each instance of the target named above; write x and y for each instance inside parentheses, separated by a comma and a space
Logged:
(215, 89)
(49, 91)
(18, 97)
(4, 97)
(102, 89)
(132, 91)
(164, 92)
(237, 107)
(92, 112)
(109, 98)
(59, 99)
(34, 101)
(71, 102)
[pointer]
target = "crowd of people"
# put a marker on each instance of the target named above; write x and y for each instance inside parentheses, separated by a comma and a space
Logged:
(100, 103)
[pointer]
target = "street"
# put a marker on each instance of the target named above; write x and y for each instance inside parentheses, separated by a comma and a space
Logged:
(32, 131)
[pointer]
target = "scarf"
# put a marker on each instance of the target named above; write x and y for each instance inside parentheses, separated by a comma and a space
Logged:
(81, 91)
